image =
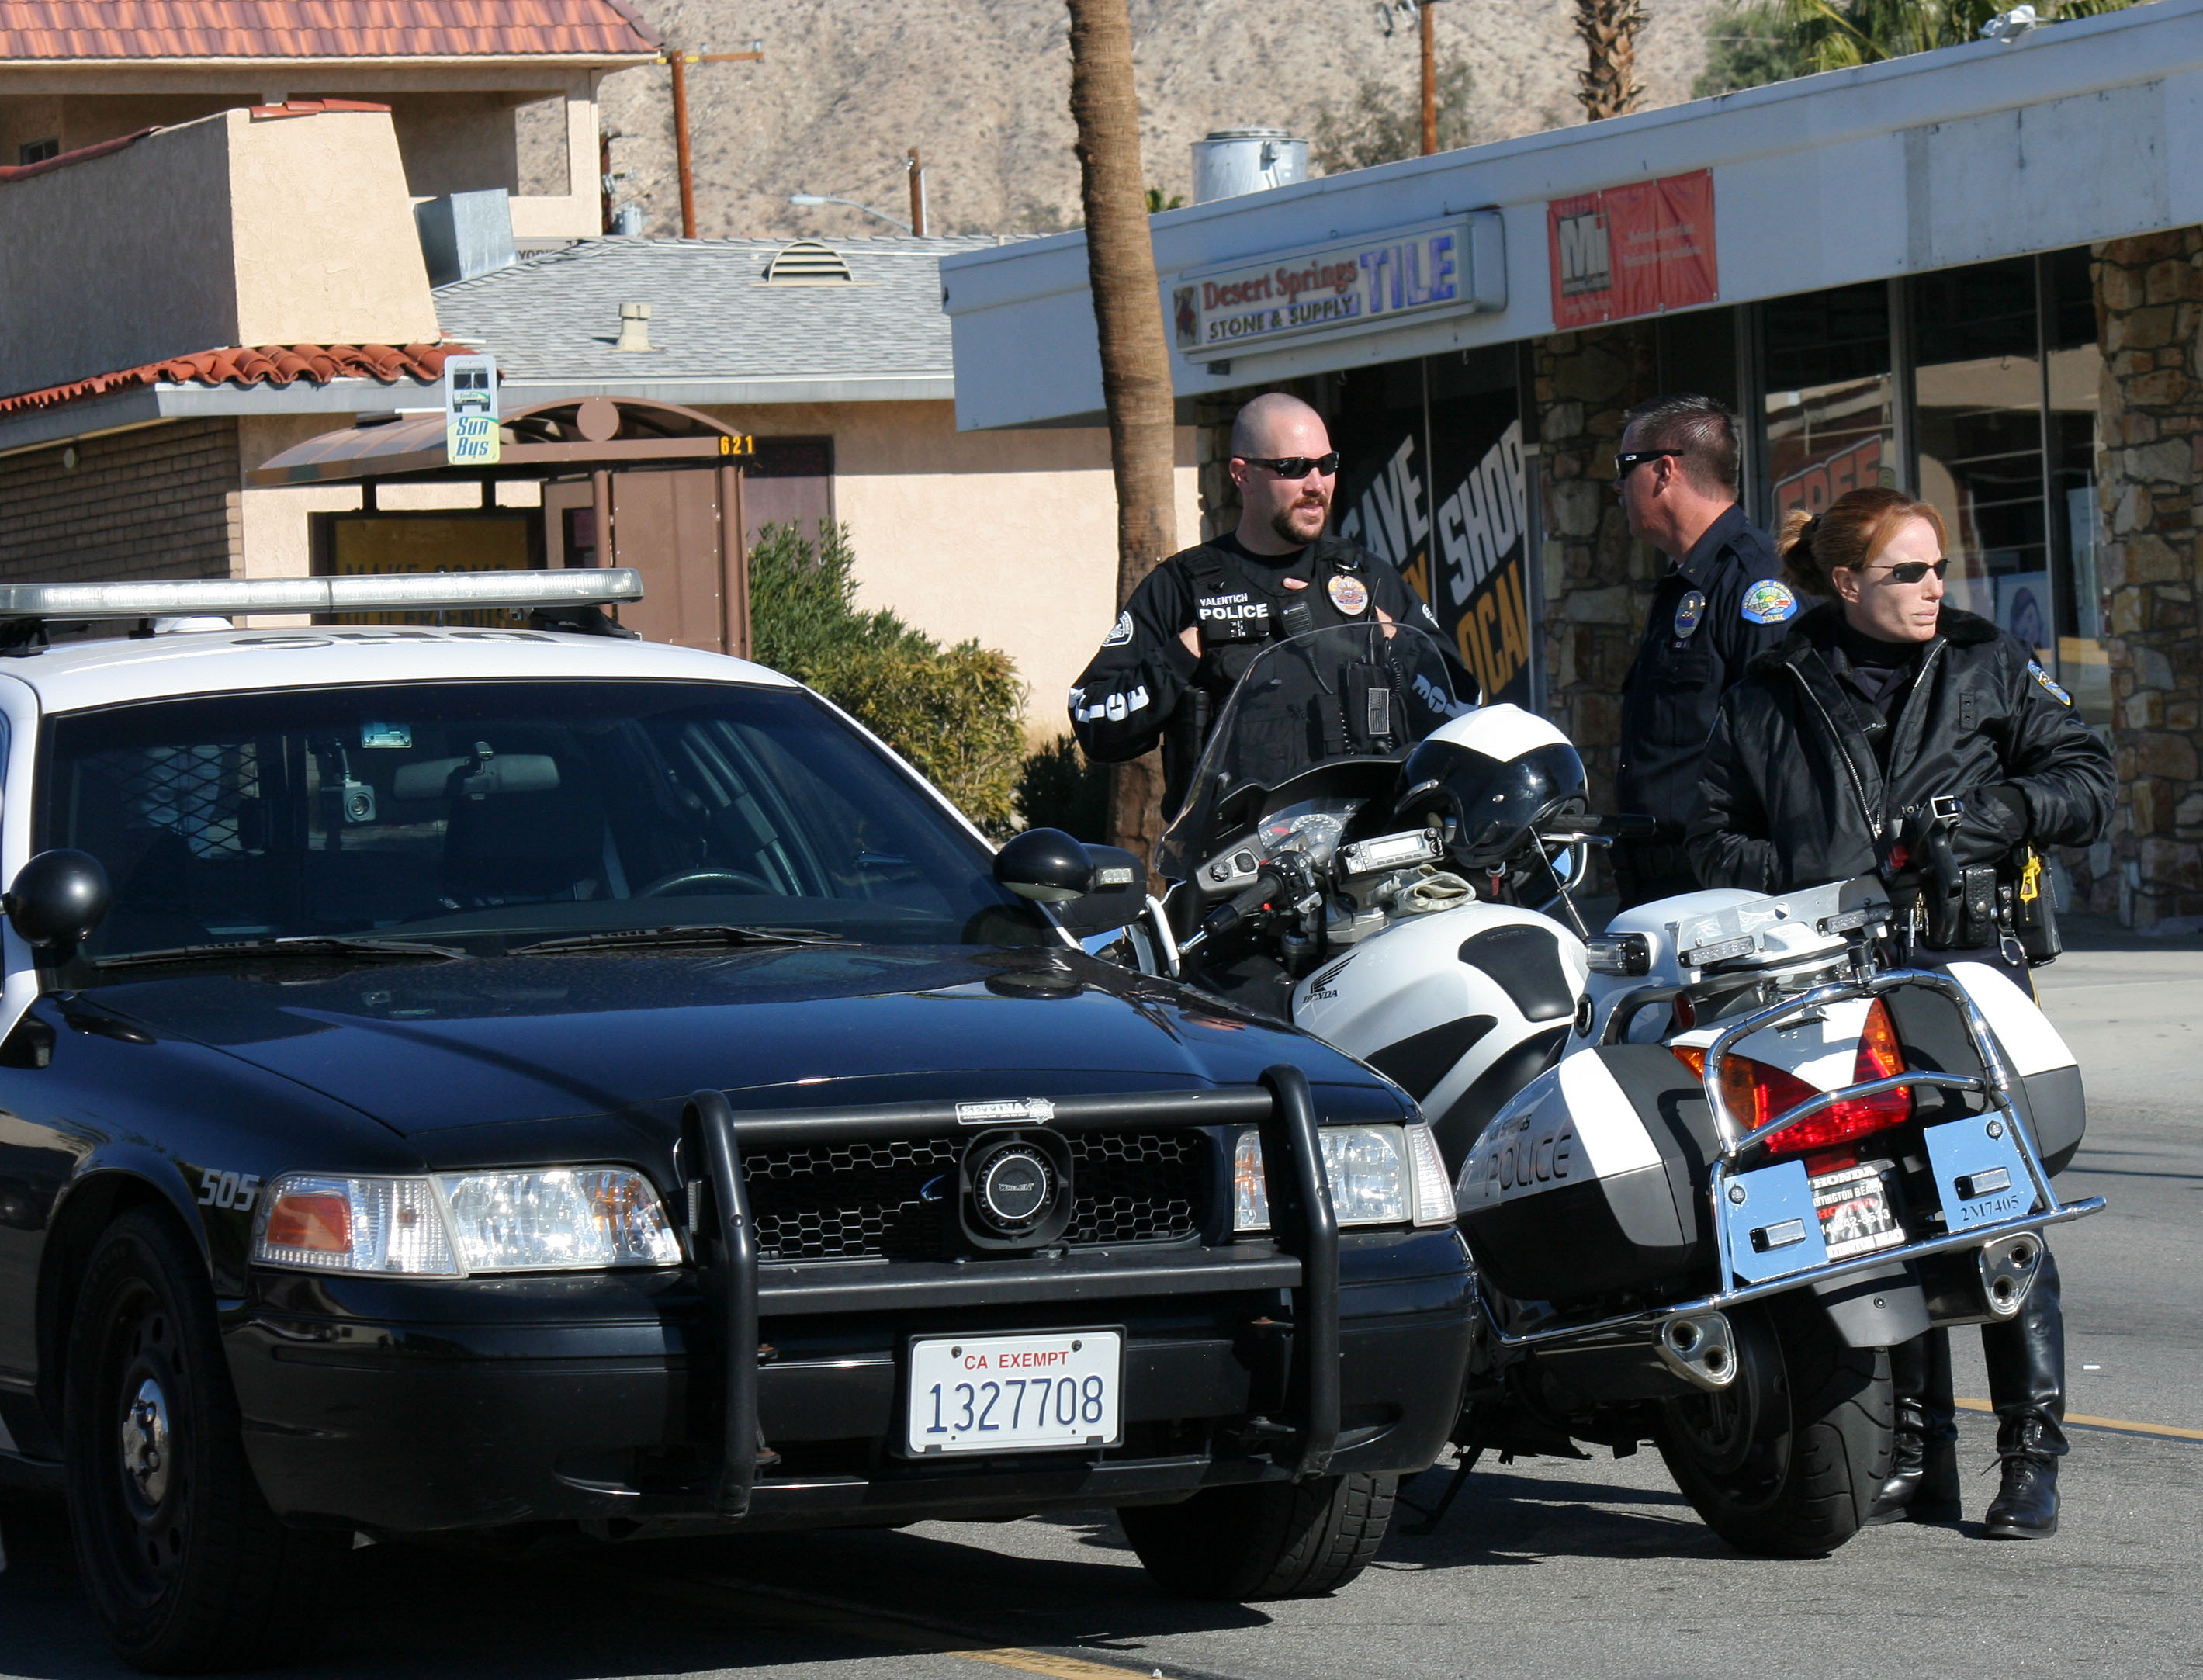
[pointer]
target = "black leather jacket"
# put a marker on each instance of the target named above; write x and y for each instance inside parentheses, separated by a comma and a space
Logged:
(1792, 794)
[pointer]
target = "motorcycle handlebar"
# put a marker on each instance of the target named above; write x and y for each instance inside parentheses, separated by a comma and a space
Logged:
(1626, 826)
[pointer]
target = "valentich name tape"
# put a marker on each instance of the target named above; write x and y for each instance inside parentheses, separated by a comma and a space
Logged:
(1438, 268)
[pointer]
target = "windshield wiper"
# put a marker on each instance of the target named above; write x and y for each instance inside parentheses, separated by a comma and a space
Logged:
(682, 934)
(300, 944)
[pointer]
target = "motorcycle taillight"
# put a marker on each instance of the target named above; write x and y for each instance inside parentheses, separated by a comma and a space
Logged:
(1756, 1093)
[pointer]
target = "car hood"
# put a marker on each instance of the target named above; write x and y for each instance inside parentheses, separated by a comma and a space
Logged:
(429, 1047)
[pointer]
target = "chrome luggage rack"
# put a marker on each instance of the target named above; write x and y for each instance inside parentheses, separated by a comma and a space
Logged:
(1995, 1085)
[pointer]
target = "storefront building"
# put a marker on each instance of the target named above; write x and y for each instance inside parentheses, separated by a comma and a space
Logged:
(1974, 274)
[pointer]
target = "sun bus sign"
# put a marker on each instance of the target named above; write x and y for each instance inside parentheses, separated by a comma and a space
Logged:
(1368, 282)
(470, 430)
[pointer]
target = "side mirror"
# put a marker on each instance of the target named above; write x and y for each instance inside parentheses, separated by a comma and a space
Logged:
(1118, 896)
(1045, 864)
(57, 899)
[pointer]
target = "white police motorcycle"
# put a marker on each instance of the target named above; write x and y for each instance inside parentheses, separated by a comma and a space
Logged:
(1711, 1162)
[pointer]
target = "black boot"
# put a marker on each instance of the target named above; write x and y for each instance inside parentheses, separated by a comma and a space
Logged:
(1923, 1470)
(2026, 1360)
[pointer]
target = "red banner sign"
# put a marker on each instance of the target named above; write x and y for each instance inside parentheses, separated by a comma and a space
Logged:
(1633, 250)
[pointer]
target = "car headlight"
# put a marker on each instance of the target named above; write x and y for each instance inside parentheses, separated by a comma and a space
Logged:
(1379, 1175)
(564, 1219)
(544, 1219)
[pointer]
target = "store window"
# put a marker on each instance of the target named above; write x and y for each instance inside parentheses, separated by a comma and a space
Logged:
(1830, 399)
(2074, 366)
(1979, 397)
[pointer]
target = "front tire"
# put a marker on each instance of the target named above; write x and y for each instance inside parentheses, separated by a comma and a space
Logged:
(186, 1568)
(1785, 1462)
(1269, 1540)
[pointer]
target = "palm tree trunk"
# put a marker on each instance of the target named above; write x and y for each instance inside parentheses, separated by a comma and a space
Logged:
(1135, 378)
(1608, 30)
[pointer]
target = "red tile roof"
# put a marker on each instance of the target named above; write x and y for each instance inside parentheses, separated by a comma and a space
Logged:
(46, 30)
(265, 364)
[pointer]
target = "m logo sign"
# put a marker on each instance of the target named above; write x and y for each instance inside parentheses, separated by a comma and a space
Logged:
(1582, 248)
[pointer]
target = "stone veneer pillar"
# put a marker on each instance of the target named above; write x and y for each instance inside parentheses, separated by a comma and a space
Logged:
(1597, 581)
(2149, 307)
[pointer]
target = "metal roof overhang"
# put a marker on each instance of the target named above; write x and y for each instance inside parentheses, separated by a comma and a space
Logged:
(542, 440)
(2078, 132)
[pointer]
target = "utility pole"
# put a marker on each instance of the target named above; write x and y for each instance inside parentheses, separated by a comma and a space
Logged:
(678, 61)
(1430, 78)
(917, 195)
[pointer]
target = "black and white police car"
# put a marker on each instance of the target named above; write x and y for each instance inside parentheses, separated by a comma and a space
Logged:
(463, 1079)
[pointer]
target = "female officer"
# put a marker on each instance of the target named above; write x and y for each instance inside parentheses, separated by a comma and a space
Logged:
(1825, 763)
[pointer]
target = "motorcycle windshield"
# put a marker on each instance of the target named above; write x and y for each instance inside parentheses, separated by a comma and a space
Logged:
(1367, 691)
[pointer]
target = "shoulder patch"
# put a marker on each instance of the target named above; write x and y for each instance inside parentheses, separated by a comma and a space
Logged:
(1120, 632)
(2049, 683)
(1769, 602)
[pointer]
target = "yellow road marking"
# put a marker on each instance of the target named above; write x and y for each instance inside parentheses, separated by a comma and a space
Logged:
(2088, 1422)
(827, 1615)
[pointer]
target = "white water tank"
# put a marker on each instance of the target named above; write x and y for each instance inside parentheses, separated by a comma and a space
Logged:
(1233, 160)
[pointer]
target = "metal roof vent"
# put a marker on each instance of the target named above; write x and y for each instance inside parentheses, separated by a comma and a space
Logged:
(808, 263)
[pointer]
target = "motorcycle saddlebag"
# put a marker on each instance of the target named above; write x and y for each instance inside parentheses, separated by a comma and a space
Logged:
(1593, 1180)
(1933, 1037)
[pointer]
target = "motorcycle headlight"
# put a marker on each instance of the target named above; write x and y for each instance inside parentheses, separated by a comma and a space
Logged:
(1378, 1174)
(544, 1219)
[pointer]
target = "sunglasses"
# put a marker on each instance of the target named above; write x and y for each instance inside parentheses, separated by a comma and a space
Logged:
(1911, 572)
(1296, 466)
(1623, 465)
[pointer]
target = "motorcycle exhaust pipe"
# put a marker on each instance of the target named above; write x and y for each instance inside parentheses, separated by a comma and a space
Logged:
(1700, 1349)
(1988, 1286)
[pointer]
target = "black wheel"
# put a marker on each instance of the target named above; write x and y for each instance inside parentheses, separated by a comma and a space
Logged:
(1271, 1540)
(1785, 1462)
(185, 1566)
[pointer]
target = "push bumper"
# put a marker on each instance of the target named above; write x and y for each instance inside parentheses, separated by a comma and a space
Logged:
(746, 1393)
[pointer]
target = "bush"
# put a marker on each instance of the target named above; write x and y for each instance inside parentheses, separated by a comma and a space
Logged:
(956, 713)
(1057, 787)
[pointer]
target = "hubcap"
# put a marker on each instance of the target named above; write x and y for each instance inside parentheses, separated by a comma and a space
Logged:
(145, 1442)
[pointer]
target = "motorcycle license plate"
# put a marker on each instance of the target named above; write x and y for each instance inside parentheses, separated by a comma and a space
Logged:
(1016, 1393)
(1857, 1215)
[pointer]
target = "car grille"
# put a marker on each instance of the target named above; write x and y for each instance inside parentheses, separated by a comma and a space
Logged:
(862, 1201)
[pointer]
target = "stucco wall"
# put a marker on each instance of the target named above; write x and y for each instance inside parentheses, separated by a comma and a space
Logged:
(222, 231)
(1009, 538)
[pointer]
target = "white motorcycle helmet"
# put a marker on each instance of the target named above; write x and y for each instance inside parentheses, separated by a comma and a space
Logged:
(1490, 774)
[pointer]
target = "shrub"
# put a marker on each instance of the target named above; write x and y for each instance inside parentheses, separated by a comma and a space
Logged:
(956, 713)
(1058, 787)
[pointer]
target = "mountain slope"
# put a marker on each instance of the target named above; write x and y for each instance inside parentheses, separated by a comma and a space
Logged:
(982, 87)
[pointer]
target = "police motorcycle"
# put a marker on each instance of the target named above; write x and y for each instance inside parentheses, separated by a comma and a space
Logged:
(1710, 1162)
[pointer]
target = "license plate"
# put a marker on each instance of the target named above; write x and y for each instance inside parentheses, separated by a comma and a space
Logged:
(1857, 1213)
(1013, 1393)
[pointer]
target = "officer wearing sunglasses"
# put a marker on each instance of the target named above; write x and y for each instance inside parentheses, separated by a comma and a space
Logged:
(1719, 604)
(1893, 734)
(1196, 621)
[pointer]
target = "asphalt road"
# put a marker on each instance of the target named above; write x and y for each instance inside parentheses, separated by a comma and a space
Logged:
(1541, 1568)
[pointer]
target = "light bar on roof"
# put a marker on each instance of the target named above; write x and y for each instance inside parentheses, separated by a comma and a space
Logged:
(365, 592)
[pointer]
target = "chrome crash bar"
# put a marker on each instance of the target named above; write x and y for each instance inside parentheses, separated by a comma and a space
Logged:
(1995, 1087)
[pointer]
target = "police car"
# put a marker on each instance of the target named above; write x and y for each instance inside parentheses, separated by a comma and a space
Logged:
(463, 1078)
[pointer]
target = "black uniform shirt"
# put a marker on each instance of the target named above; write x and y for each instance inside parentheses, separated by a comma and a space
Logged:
(1718, 608)
(1143, 673)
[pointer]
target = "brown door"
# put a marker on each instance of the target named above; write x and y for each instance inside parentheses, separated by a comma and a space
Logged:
(667, 526)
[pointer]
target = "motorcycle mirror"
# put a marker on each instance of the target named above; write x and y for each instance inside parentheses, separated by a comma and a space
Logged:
(57, 899)
(1046, 865)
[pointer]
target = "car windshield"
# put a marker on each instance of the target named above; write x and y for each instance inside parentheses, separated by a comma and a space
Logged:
(1363, 691)
(494, 814)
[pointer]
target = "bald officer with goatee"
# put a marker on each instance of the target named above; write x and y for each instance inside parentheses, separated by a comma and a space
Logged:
(1197, 620)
